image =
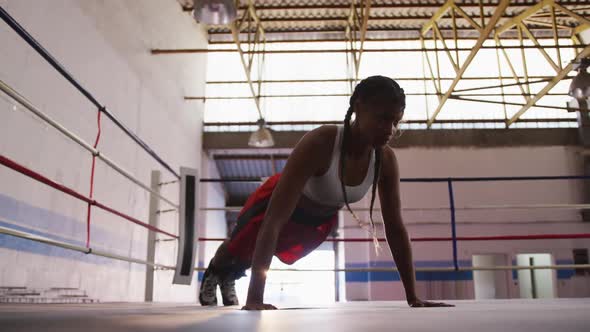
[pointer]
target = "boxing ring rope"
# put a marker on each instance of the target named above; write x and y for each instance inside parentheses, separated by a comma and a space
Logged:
(32, 237)
(34, 175)
(86, 250)
(435, 179)
(459, 238)
(450, 180)
(101, 109)
(439, 269)
(467, 207)
(10, 21)
(89, 200)
(95, 152)
(19, 168)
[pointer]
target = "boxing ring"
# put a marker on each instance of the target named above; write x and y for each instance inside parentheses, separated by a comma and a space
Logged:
(484, 316)
(540, 315)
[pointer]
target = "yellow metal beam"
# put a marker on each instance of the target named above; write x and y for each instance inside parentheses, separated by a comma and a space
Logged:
(357, 22)
(536, 42)
(455, 66)
(512, 70)
(351, 41)
(576, 41)
(455, 38)
(439, 13)
(482, 37)
(515, 20)
(437, 63)
(563, 73)
(467, 17)
(249, 15)
(530, 20)
(523, 58)
(365, 13)
(580, 18)
(556, 37)
(430, 67)
(582, 27)
(502, 86)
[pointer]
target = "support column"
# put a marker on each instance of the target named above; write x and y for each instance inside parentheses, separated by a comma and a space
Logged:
(584, 136)
(151, 242)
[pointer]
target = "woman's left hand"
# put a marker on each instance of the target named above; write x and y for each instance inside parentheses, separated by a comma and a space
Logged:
(417, 303)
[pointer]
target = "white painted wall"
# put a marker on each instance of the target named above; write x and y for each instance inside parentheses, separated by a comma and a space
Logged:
(472, 162)
(106, 46)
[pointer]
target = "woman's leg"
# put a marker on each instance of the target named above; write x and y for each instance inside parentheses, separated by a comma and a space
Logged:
(222, 257)
(225, 267)
(224, 264)
(229, 269)
(223, 270)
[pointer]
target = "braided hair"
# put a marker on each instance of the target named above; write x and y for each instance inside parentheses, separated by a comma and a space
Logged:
(384, 89)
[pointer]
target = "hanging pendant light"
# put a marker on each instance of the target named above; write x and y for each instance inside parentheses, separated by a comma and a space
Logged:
(261, 138)
(215, 11)
(580, 86)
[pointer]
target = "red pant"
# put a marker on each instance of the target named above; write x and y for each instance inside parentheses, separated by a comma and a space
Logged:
(299, 236)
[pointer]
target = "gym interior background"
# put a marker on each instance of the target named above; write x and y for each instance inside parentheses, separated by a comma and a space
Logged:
(489, 99)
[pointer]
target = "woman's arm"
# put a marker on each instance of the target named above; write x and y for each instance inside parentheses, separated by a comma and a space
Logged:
(395, 231)
(305, 160)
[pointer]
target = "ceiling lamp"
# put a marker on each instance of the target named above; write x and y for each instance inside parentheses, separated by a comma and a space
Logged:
(215, 11)
(262, 137)
(580, 86)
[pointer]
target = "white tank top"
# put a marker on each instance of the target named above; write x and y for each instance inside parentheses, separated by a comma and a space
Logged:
(327, 190)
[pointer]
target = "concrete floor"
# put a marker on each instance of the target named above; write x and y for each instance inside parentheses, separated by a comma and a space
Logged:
(559, 315)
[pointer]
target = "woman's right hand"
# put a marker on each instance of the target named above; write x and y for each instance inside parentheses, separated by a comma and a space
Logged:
(259, 306)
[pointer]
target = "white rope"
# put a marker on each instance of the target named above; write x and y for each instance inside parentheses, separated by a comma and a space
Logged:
(439, 269)
(468, 207)
(527, 206)
(238, 208)
(37, 238)
(97, 252)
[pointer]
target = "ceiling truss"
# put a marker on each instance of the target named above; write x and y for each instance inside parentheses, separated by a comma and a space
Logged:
(440, 23)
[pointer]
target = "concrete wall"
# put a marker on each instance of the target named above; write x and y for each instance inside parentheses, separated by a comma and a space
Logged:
(106, 46)
(474, 162)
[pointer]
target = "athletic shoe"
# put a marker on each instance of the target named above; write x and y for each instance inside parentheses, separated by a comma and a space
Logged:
(228, 292)
(208, 290)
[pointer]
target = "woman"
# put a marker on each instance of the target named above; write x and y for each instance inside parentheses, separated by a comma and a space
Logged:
(292, 213)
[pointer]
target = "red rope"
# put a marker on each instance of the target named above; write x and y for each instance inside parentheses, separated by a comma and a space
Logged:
(34, 175)
(89, 211)
(133, 220)
(459, 238)
(21, 169)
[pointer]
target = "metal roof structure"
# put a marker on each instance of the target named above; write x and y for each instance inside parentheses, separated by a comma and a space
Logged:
(326, 20)
(246, 166)
(355, 22)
